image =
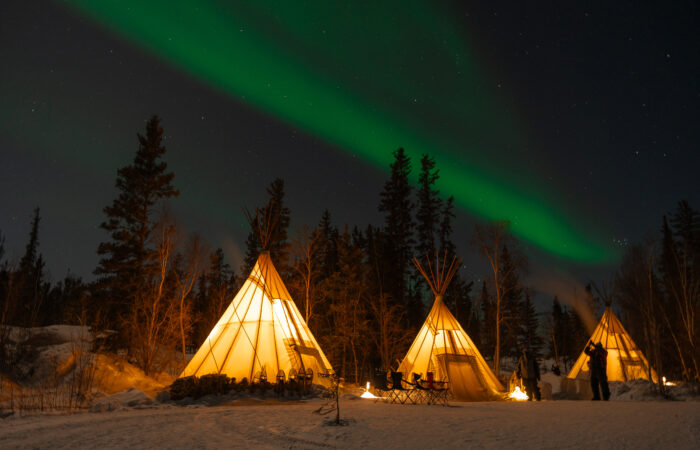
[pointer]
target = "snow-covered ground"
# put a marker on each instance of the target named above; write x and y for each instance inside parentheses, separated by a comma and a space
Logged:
(274, 424)
(123, 413)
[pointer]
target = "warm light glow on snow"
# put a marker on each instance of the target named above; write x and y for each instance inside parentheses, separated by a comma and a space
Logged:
(367, 393)
(517, 394)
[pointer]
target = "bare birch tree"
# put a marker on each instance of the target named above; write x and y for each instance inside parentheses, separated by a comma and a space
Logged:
(489, 240)
(306, 249)
(185, 278)
(151, 321)
(389, 336)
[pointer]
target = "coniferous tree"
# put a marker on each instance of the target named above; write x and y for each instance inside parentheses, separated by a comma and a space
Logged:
(347, 313)
(579, 335)
(488, 310)
(67, 302)
(638, 293)
(398, 235)
(31, 252)
(215, 290)
(279, 216)
(458, 299)
(458, 295)
(428, 209)
(557, 341)
(304, 282)
(329, 239)
(491, 240)
(680, 279)
(31, 288)
(129, 256)
(530, 338)
(511, 319)
(2, 249)
(446, 244)
(375, 273)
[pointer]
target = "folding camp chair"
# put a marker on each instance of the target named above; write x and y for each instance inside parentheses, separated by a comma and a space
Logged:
(400, 394)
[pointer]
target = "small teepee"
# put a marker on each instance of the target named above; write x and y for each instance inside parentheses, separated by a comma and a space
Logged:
(261, 332)
(625, 360)
(444, 349)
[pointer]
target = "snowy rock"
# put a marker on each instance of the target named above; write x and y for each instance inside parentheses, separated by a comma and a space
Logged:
(128, 398)
(105, 405)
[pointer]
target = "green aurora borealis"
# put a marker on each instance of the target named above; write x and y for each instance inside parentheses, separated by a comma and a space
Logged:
(406, 79)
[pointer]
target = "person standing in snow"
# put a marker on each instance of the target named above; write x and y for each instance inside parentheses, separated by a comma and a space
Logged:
(598, 364)
(529, 371)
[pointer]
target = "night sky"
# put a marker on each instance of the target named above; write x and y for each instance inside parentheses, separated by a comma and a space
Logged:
(577, 123)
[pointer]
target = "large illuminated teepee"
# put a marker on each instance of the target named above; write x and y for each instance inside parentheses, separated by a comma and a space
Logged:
(261, 333)
(444, 349)
(625, 360)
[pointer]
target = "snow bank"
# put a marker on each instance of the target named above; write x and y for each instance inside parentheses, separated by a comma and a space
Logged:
(114, 375)
(52, 357)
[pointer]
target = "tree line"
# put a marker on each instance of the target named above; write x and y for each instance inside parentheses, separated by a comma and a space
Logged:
(159, 290)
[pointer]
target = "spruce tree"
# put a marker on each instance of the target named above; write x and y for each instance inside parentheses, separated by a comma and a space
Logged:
(579, 336)
(488, 310)
(397, 205)
(215, 291)
(447, 215)
(31, 251)
(557, 342)
(128, 256)
(375, 273)
(458, 296)
(348, 333)
(511, 304)
(428, 208)
(530, 338)
(680, 278)
(329, 237)
(686, 224)
(31, 288)
(279, 216)
(2, 248)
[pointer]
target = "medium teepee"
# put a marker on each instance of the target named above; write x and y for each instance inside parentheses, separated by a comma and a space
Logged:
(444, 349)
(625, 360)
(262, 332)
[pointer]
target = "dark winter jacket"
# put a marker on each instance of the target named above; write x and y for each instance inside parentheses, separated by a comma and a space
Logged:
(528, 367)
(598, 359)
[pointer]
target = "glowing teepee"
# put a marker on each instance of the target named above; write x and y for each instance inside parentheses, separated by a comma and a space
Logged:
(625, 360)
(262, 332)
(444, 349)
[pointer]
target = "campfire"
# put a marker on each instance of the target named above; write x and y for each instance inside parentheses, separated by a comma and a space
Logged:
(367, 393)
(517, 394)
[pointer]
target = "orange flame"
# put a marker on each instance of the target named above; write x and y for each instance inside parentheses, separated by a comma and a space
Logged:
(517, 394)
(367, 393)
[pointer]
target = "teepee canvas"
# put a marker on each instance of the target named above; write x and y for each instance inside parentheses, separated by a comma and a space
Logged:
(444, 349)
(260, 334)
(625, 360)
